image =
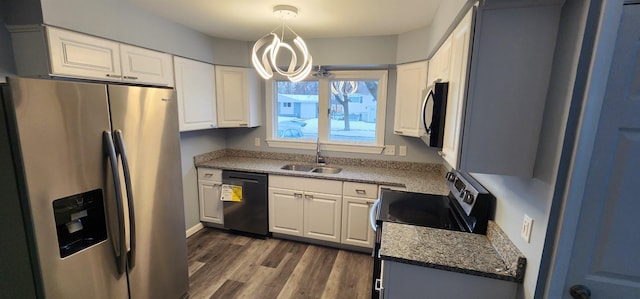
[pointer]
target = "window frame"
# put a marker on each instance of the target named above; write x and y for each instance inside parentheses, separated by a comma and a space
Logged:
(324, 99)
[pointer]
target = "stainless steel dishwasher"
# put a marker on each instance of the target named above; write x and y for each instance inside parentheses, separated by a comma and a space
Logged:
(250, 214)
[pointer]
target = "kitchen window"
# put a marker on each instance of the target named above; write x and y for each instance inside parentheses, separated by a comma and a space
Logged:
(346, 111)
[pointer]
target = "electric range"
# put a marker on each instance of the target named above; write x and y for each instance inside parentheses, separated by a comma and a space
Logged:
(467, 208)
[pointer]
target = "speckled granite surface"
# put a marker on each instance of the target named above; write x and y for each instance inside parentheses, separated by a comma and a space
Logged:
(417, 177)
(451, 250)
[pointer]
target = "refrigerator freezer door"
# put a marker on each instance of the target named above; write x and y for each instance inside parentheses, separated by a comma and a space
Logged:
(148, 120)
(60, 127)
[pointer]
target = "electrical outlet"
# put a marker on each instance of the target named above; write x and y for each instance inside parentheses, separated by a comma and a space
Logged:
(256, 142)
(402, 150)
(390, 150)
(527, 226)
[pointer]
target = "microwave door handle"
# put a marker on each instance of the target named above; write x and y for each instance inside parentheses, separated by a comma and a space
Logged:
(424, 110)
(127, 182)
(121, 248)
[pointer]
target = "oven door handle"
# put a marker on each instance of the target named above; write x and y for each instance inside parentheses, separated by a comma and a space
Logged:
(372, 214)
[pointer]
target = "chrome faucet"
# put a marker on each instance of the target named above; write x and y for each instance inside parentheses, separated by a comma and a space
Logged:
(319, 159)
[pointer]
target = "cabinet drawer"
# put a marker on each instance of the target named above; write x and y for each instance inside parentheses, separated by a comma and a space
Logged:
(361, 190)
(208, 174)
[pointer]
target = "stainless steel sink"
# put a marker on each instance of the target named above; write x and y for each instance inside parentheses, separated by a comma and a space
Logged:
(297, 167)
(311, 168)
(326, 169)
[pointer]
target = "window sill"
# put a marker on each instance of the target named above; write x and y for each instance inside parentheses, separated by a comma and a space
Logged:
(336, 147)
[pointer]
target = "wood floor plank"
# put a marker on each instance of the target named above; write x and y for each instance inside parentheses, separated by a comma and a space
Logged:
(310, 275)
(226, 265)
(347, 279)
(229, 289)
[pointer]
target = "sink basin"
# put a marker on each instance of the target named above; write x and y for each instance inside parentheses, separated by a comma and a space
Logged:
(327, 169)
(297, 167)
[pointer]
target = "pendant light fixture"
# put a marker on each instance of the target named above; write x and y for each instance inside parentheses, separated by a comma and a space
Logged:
(264, 56)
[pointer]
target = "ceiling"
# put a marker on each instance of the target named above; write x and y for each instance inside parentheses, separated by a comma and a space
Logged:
(248, 20)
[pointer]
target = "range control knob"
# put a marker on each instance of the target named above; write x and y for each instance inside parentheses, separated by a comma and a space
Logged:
(450, 176)
(467, 197)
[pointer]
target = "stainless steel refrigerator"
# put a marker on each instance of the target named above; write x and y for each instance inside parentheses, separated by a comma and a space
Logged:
(97, 176)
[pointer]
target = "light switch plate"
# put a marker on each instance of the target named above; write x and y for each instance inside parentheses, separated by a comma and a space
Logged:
(390, 150)
(402, 150)
(527, 226)
(256, 142)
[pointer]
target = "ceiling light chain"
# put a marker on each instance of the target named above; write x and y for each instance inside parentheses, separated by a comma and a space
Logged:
(268, 47)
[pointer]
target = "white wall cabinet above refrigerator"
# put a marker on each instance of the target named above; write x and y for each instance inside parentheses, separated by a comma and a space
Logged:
(238, 98)
(62, 53)
(196, 89)
(411, 85)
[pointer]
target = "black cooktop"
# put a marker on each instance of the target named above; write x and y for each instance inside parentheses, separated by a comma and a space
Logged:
(418, 209)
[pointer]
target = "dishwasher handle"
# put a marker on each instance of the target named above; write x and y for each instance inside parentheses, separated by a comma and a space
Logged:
(246, 180)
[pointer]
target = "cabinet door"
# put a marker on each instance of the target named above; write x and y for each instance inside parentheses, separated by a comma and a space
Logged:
(356, 228)
(410, 91)
(286, 211)
(195, 87)
(82, 56)
(460, 44)
(322, 216)
(210, 203)
(232, 96)
(145, 66)
(439, 63)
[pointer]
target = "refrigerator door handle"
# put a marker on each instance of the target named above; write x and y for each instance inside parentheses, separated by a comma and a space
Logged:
(122, 151)
(121, 257)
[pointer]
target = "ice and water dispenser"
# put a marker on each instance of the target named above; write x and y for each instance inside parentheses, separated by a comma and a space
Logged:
(80, 221)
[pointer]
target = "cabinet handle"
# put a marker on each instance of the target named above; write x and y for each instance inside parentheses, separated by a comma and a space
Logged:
(244, 125)
(361, 192)
(208, 175)
(114, 76)
(297, 195)
(397, 132)
(378, 286)
(308, 197)
(131, 77)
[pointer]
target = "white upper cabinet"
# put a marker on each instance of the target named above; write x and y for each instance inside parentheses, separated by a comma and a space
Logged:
(195, 87)
(238, 96)
(439, 64)
(50, 51)
(145, 66)
(77, 55)
(411, 86)
(458, 71)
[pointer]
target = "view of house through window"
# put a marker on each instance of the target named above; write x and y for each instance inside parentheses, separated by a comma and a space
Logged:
(297, 109)
(352, 110)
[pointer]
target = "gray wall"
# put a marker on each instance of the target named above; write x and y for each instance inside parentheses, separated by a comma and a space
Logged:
(122, 21)
(192, 144)
(420, 44)
(517, 196)
(417, 151)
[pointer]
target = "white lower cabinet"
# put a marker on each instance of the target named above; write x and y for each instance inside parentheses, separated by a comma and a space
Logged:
(209, 187)
(305, 207)
(357, 200)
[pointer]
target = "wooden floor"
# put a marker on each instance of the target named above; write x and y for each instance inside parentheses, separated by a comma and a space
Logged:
(224, 265)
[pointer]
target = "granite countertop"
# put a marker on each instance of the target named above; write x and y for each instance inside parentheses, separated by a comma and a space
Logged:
(416, 177)
(493, 255)
(490, 256)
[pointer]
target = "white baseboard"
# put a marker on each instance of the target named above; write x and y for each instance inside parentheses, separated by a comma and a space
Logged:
(194, 229)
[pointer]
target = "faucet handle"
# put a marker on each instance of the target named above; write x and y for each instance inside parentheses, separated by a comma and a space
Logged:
(321, 160)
